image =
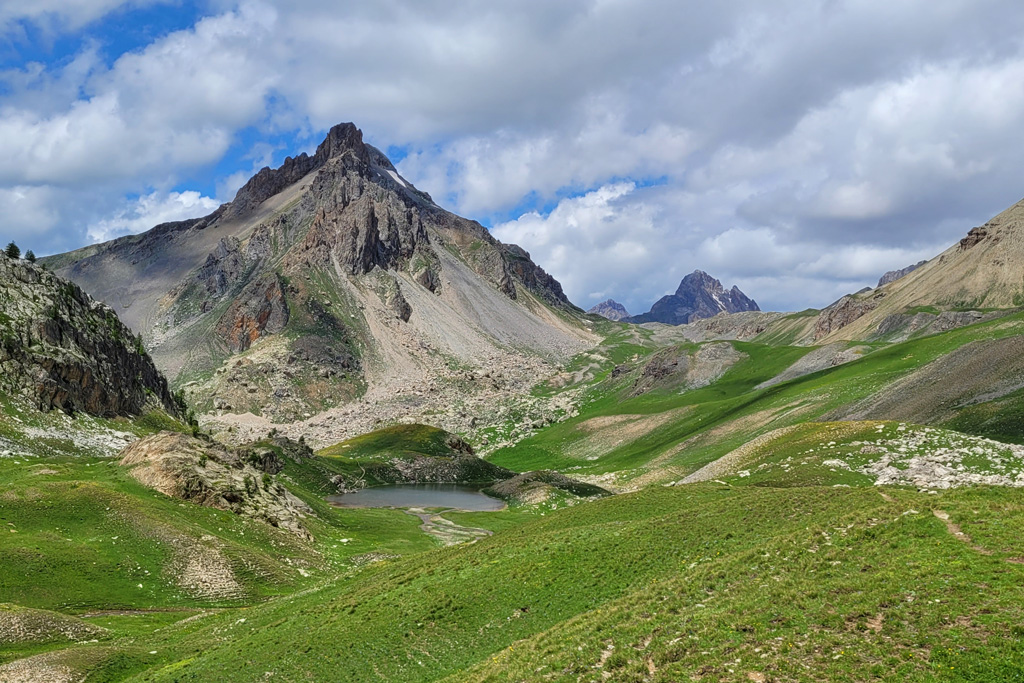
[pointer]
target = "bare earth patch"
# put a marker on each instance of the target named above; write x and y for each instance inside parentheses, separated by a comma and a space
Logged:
(24, 625)
(44, 668)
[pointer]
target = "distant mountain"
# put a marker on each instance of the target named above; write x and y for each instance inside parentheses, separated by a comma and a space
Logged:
(610, 309)
(894, 275)
(699, 296)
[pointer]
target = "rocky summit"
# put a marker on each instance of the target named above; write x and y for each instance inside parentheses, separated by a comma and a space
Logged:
(699, 296)
(610, 309)
(329, 281)
(62, 350)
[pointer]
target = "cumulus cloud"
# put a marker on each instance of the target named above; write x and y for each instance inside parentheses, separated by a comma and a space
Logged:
(602, 244)
(27, 210)
(149, 210)
(797, 148)
(632, 244)
(172, 106)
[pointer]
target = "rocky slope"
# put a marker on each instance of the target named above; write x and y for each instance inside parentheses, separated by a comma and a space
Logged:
(698, 296)
(610, 309)
(325, 280)
(981, 271)
(240, 480)
(62, 350)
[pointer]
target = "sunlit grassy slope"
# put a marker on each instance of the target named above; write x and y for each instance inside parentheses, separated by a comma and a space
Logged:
(663, 436)
(786, 564)
(805, 583)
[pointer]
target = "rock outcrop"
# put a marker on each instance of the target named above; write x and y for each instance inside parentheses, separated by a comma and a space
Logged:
(539, 486)
(844, 312)
(62, 350)
(260, 309)
(523, 269)
(243, 481)
(610, 309)
(680, 368)
(698, 296)
(894, 275)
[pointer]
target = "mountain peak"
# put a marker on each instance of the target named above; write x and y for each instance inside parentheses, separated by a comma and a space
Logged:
(340, 270)
(610, 309)
(342, 138)
(698, 296)
(696, 280)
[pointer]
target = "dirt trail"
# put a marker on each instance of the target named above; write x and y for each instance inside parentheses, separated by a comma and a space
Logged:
(954, 529)
(446, 530)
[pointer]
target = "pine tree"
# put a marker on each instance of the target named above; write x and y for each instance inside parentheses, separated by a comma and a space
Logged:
(30, 256)
(12, 251)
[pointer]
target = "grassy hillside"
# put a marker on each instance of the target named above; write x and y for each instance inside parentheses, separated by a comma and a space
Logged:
(665, 435)
(804, 583)
(780, 561)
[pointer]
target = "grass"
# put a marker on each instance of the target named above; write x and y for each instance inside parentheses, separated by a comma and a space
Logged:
(682, 581)
(383, 443)
(793, 569)
(999, 419)
(715, 419)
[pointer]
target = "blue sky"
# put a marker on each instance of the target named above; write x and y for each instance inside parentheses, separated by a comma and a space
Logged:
(798, 149)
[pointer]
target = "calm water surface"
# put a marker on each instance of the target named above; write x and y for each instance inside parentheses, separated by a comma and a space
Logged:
(420, 496)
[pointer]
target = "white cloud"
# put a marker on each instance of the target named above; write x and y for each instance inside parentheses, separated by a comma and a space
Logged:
(62, 14)
(798, 146)
(27, 211)
(172, 106)
(485, 174)
(150, 210)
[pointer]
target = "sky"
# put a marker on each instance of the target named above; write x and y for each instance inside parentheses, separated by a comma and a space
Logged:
(797, 148)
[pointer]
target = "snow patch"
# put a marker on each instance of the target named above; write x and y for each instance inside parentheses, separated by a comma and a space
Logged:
(397, 178)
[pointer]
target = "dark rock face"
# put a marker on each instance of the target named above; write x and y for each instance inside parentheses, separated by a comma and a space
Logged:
(533, 276)
(65, 351)
(343, 139)
(699, 296)
(843, 312)
(974, 237)
(894, 275)
(610, 309)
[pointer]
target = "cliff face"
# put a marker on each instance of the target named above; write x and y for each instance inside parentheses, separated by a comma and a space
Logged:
(62, 350)
(698, 296)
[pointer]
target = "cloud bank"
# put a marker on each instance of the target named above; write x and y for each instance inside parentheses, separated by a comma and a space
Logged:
(798, 149)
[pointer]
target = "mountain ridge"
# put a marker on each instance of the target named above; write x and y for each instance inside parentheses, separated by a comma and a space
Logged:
(63, 350)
